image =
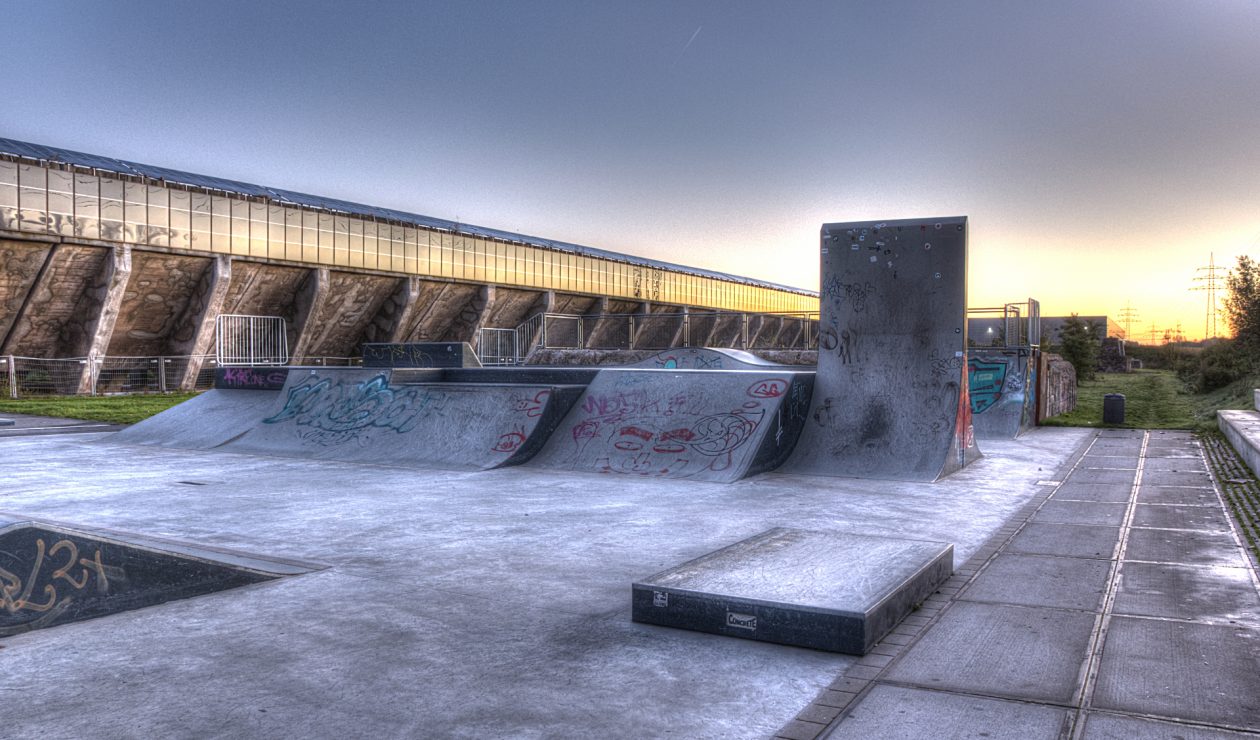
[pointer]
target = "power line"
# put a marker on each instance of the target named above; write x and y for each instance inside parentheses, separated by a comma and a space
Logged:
(1208, 279)
(1128, 315)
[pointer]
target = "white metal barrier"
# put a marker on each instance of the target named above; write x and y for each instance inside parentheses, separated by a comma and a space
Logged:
(250, 340)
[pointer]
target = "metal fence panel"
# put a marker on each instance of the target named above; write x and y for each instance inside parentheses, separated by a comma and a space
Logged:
(250, 340)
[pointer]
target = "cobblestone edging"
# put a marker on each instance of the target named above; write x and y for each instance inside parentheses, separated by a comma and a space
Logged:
(817, 718)
(1239, 487)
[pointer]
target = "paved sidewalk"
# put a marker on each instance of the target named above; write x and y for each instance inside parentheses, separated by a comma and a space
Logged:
(24, 425)
(1121, 605)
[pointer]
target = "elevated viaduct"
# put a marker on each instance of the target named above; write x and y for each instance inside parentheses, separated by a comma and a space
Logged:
(101, 257)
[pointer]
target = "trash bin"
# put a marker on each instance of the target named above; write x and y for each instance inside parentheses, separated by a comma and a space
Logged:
(1113, 408)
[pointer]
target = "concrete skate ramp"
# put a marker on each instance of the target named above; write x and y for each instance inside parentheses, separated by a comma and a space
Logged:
(701, 424)
(51, 574)
(704, 358)
(1003, 387)
(890, 398)
(202, 422)
(357, 415)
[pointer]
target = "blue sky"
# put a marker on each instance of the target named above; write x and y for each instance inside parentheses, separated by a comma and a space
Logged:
(1101, 149)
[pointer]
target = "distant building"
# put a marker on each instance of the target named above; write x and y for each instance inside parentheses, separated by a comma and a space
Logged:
(989, 331)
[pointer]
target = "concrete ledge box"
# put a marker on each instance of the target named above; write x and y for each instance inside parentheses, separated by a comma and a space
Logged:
(825, 590)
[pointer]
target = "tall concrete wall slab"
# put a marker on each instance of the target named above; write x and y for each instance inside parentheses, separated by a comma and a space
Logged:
(704, 425)
(1003, 390)
(890, 399)
(357, 415)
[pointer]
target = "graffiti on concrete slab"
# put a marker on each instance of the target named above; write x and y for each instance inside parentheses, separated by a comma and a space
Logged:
(533, 407)
(637, 431)
(397, 355)
(769, 388)
(57, 575)
(334, 413)
(948, 366)
(251, 378)
(986, 382)
(510, 442)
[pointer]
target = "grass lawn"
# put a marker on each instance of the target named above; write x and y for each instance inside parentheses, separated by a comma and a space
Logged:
(1154, 399)
(112, 409)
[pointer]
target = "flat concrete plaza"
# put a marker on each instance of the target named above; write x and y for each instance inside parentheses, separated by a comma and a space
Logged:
(489, 604)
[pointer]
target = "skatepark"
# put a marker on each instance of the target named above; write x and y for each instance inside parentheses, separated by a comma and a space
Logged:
(494, 553)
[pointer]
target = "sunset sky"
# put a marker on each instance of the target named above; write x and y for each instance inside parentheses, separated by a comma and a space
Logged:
(1102, 149)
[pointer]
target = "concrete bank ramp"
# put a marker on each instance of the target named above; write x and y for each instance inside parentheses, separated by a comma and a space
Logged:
(357, 415)
(1003, 389)
(704, 358)
(202, 422)
(701, 424)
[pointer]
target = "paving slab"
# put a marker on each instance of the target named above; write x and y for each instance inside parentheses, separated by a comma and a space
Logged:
(1065, 583)
(1148, 494)
(1187, 592)
(1182, 453)
(1201, 672)
(900, 713)
(1101, 492)
(1069, 540)
(1169, 478)
(972, 651)
(1102, 475)
(1175, 464)
(1081, 512)
(1184, 546)
(1175, 516)
(1102, 726)
(1104, 459)
(1104, 446)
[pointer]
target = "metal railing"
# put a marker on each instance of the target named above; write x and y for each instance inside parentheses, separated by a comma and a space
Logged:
(1018, 324)
(25, 377)
(250, 340)
(648, 331)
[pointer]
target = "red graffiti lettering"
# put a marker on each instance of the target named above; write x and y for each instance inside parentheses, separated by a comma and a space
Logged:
(772, 388)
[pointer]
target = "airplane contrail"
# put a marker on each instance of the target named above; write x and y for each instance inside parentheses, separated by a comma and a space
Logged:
(688, 44)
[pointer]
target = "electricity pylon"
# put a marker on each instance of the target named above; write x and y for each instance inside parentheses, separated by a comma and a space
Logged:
(1208, 279)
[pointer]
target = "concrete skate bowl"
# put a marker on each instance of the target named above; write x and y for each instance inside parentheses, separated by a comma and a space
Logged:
(52, 574)
(358, 415)
(699, 424)
(1003, 387)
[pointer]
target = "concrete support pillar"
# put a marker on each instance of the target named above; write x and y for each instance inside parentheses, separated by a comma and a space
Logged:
(306, 306)
(475, 315)
(638, 325)
(100, 312)
(682, 334)
(394, 318)
(755, 332)
(194, 335)
(545, 304)
(596, 323)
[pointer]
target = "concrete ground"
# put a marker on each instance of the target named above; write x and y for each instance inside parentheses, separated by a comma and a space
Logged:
(497, 604)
